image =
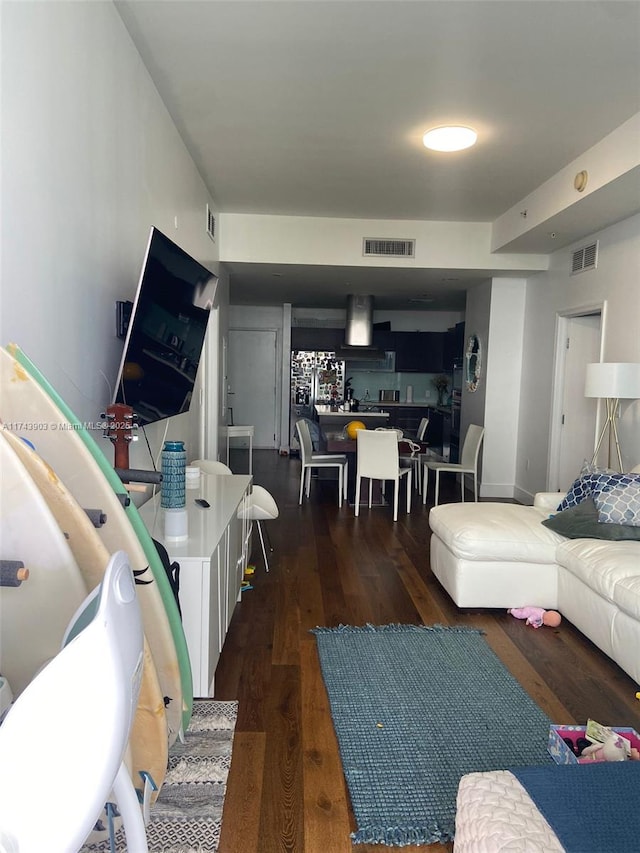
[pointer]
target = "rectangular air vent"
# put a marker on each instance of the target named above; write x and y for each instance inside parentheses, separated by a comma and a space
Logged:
(383, 248)
(585, 258)
(211, 224)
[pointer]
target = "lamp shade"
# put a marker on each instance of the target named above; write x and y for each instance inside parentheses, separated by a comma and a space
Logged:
(615, 380)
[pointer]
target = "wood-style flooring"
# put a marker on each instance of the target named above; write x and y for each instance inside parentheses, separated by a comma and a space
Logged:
(286, 790)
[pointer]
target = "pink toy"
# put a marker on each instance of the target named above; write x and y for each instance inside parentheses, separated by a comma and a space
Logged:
(537, 616)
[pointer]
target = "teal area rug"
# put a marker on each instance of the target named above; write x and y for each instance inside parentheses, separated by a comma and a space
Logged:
(414, 709)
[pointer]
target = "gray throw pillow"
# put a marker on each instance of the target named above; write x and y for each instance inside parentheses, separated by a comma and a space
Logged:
(581, 522)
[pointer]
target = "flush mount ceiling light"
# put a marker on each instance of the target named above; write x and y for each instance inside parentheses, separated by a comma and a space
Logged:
(449, 138)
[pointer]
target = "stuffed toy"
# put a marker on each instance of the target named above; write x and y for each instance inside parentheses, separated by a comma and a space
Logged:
(537, 616)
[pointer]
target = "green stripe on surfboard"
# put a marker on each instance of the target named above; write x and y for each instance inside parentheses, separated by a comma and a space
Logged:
(138, 525)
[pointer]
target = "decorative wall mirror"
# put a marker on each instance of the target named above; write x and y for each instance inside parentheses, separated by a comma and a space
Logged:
(474, 363)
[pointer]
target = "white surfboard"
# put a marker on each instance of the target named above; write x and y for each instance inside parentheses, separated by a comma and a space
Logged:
(149, 742)
(26, 410)
(34, 615)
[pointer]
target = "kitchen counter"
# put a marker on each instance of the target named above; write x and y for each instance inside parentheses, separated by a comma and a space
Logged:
(398, 403)
(326, 412)
(335, 421)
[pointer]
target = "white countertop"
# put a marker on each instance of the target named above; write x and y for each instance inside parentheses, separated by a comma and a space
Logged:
(205, 526)
(326, 411)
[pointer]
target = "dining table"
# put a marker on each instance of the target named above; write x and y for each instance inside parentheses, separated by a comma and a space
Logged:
(339, 443)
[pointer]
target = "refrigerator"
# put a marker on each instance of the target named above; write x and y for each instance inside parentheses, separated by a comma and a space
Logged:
(316, 377)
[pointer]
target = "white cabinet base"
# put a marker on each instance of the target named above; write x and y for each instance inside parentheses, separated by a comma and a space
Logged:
(212, 561)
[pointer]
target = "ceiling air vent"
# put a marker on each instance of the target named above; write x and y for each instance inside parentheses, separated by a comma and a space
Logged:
(211, 224)
(585, 258)
(389, 248)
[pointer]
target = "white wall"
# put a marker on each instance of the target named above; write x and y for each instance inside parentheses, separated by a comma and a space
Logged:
(256, 238)
(502, 371)
(90, 160)
(616, 281)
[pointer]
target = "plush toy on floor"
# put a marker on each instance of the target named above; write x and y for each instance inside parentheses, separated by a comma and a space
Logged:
(537, 616)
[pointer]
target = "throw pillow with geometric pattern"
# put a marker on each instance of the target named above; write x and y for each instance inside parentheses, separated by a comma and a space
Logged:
(618, 502)
(582, 487)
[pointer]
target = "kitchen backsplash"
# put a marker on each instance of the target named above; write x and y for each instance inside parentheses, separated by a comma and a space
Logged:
(424, 390)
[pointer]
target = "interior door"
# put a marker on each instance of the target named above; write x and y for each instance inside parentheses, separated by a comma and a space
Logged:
(253, 383)
(578, 427)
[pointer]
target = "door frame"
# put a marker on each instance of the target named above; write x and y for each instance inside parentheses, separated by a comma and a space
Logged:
(563, 321)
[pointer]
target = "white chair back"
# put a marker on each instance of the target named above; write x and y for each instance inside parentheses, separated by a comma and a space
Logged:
(471, 447)
(399, 433)
(211, 466)
(424, 423)
(378, 455)
(63, 741)
(306, 445)
(262, 504)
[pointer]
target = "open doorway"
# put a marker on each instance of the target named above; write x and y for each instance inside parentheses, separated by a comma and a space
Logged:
(574, 416)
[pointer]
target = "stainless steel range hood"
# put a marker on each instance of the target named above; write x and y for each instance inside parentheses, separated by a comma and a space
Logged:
(358, 338)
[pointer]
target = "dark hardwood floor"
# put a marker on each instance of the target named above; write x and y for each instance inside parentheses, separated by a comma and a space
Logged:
(286, 790)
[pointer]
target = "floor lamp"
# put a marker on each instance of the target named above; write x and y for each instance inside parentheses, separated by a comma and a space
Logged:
(612, 381)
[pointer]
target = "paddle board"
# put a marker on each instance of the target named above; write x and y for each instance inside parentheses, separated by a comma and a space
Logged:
(33, 616)
(149, 742)
(27, 400)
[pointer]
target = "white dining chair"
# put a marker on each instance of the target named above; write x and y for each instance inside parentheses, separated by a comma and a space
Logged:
(378, 458)
(468, 464)
(260, 507)
(211, 466)
(311, 460)
(418, 459)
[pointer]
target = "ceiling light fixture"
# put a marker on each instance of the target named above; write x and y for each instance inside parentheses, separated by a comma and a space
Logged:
(449, 138)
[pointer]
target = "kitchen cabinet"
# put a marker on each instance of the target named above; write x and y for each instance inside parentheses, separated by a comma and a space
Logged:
(212, 561)
(406, 418)
(316, 338)
(453, 347)
(438, 435)
(419, 352)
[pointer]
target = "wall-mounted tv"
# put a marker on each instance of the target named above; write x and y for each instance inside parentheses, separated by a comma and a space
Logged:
(166, 332)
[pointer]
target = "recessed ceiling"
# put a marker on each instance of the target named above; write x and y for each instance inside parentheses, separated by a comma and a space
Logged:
(318, 108)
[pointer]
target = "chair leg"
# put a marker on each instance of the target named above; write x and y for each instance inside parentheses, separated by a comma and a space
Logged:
(264, 550)
(340, 474)
(371, 491)
(395, 499)
(408, 491)
(437, 485)
(357, 499)
(475, 487)
(462, 486)
(345, 479)
(425, 484)
(302, 476)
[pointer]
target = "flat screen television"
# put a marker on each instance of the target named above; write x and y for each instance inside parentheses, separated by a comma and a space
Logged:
(166, 332)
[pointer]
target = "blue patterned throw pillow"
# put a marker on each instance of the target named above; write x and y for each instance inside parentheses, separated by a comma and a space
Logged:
(617, 499)
(583, 487)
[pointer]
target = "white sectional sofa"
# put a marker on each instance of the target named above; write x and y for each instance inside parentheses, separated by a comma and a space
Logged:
(502, 555)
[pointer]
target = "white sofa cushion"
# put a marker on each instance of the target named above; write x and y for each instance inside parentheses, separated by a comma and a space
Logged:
(612, 569)
(495, 531)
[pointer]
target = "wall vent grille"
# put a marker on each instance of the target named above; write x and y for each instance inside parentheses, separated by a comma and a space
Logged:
(387, 248)
(211, 224)
(585, 258)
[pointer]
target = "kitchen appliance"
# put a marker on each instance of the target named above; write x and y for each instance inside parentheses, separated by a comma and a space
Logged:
(388, 395)
(317, 377)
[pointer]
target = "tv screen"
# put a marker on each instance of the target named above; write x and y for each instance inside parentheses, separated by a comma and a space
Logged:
(166, 332)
